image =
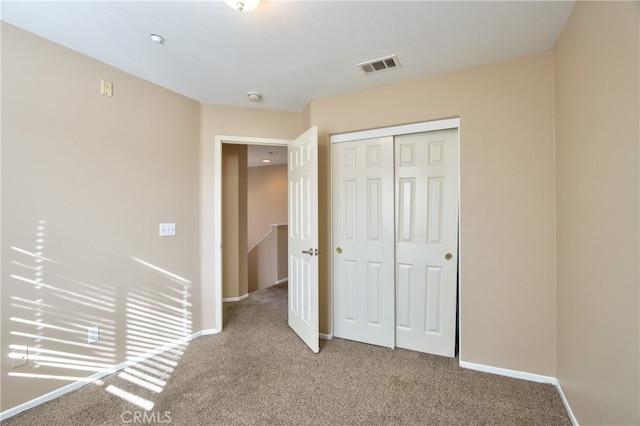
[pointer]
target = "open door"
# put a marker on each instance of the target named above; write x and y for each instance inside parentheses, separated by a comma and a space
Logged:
(303, 237)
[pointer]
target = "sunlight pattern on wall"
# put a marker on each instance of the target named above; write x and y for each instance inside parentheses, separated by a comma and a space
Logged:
(52, 313)
(159, 321)
(51, 316)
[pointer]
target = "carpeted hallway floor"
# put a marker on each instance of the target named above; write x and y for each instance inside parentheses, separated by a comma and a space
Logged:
(258, 372)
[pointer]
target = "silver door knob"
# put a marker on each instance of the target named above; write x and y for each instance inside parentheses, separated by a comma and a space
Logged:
(448, 256)
(310, 251)
(339, 250)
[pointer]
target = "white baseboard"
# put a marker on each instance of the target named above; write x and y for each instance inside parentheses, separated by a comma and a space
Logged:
(524, 376)
(325, 336)
(80, 383)
(206, 332)
(284, 280)
(509, 373)
(572, 417)
(58, 392)
(235, 299)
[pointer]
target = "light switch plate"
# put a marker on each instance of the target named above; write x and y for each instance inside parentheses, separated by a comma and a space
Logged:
(93, 334)
(167, 229)
(106, 88)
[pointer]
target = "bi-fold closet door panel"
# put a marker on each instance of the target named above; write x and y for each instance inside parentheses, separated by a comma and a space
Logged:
(395, 232)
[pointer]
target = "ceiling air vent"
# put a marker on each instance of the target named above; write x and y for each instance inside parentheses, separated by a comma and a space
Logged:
(381, 64)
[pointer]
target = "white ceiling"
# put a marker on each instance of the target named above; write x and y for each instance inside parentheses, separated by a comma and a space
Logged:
(290, 51)
(256, 153)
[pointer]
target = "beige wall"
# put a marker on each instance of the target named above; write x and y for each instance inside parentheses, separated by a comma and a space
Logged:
(507, 171)
(267, 200)
(248, 122)
(263, 262)
(86, 180)
(597, 149)
(235, 279)
(268, 259)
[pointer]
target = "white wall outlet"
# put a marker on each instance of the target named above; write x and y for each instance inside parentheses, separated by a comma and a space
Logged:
(93, 334)
(19, 355)
(167, 229)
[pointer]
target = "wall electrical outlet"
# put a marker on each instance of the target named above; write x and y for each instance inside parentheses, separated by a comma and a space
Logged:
(167, 229)
(93, 334)
(20, 356)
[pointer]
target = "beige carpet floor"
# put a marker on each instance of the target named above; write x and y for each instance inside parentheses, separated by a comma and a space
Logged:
(259, 372)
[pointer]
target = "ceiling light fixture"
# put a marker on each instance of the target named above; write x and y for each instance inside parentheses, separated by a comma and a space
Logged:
(267, 160)
(156, 38)
(254, 97)
(242, 5)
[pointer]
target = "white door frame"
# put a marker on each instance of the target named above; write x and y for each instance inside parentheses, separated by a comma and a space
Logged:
(217, 214)
(427, 126)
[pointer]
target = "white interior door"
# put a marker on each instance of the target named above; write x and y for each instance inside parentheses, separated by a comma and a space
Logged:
(303, 237)
(363, 240)
(427, 241)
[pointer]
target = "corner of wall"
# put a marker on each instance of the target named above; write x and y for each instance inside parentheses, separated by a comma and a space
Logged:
(306, 117)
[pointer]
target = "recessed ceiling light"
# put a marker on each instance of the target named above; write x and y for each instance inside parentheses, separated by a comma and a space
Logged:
(254, 96)
(156, 38)
(266, 160)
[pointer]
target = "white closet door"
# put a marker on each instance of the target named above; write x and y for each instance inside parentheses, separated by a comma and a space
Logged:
(363, 239)
(426, 180)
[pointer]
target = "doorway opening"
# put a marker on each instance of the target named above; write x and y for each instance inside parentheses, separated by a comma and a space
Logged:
(240, 239)
(267, 221)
